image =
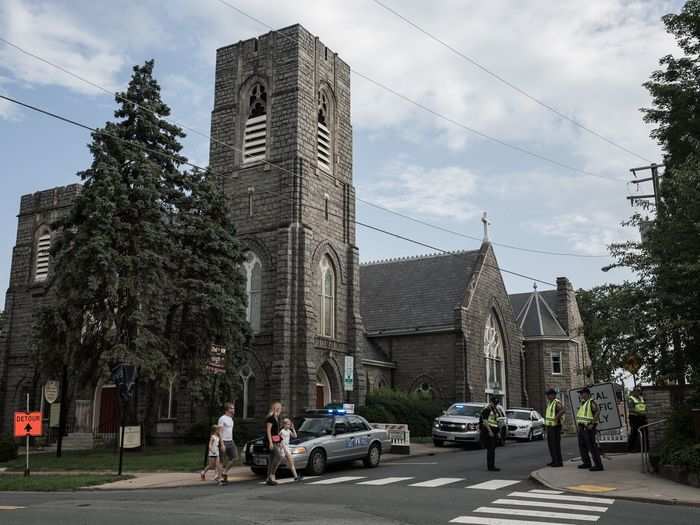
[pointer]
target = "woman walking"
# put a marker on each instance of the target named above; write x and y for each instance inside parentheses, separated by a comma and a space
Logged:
(274, 441)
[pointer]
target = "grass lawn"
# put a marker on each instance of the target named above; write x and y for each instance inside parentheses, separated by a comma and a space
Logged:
(182, 458)
(50, 482)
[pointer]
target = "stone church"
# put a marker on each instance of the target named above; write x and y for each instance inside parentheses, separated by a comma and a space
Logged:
(282, 136)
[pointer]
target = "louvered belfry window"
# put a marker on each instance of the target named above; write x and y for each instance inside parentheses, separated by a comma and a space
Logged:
(43, 254)
(255, 133)
(323, 137)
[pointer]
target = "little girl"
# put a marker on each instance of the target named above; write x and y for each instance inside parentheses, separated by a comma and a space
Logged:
(287, 433)
(214, 454)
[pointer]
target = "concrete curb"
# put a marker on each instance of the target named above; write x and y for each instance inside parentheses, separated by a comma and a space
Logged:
(535, 477)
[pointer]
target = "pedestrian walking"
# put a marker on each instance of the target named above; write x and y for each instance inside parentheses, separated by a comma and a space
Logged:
(287, 433)
(586, 424)
(214, 454)
(274, 441)
(489, 432)
(638, 418)
(230, 451)
(552, 421)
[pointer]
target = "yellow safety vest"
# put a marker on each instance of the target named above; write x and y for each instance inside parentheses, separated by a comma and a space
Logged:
(492, 421)
(584, 415)
(550, 415)
(638, 405)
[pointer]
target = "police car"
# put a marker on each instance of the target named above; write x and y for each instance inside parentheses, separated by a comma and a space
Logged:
(460, 424)
(325, 436)
(525, 423)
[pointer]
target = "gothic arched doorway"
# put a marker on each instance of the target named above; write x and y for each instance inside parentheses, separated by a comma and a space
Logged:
(323, 389)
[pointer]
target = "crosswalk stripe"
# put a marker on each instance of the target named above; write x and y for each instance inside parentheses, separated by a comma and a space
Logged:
(494, 484)
(383, 481)
(481, 520)
(10, 508)
(538, 514)
(537, 491)
(549, 504)
(289, 480)
(557, 497)
(333, 481)
(437, 482)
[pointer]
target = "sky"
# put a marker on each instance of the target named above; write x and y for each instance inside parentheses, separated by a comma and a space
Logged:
(586, 59)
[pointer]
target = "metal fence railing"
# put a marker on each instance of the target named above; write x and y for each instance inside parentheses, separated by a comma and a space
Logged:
(644, 442)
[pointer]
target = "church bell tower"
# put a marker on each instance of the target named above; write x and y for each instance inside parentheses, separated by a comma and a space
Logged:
(282, 139)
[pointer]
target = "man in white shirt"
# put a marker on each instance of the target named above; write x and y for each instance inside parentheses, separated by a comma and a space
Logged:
(226, 424)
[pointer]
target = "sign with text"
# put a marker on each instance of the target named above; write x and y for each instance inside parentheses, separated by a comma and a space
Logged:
(27, 424)
(51, 391)
(55, 415)
(132, 437)
(349, 374)
(604, 395)
(217, 357)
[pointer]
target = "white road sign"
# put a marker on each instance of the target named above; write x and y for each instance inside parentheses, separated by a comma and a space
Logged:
(604, 395)
(51, 391)
(349, 375)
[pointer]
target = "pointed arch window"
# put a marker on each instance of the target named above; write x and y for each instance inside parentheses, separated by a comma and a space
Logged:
(43, 256)
(494, 357)
(252, 268)
(327, 296)
(324, 150)
(255, 132)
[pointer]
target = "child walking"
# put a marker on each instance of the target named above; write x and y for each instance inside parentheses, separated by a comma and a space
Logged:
(215, 447)
(288, 431)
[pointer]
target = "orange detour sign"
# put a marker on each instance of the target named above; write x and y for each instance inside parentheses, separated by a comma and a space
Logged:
(27, 424)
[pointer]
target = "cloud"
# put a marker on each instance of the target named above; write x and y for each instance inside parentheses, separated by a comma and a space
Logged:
(49, 31)
(443, 192)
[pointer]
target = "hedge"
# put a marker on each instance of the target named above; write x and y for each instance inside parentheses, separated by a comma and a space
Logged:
(395, 406)
(680, 446)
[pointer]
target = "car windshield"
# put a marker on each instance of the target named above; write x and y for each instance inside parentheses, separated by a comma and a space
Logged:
(518, 414)
(316, 426)
(464, 410)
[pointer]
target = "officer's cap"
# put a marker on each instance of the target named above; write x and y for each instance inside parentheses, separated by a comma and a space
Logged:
(551, 392)
(496, 399)
(585, 389)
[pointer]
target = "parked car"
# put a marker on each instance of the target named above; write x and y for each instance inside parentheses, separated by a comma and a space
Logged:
(525, 424)
(460, 424)
(325, 436)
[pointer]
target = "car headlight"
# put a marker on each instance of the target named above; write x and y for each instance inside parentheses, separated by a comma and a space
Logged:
(436, 423)
(298, 450)
(463, 427)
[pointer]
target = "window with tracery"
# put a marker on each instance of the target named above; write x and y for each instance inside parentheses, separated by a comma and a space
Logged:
(323, 137)
(327, 298)
(425, 390)
(255, 132)
(494, 357)
(252, 268)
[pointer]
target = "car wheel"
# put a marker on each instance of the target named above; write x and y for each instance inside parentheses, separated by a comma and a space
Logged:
(530, 435)
(373, 456)
(439, 442)
(317, 463)
(259, 471)
(542, 435)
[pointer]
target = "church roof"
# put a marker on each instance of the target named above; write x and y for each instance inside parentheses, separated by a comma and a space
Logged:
(415, 293)
(535, 313)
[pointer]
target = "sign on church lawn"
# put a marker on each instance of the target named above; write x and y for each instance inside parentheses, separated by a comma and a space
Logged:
(604, 395)
(51, 391)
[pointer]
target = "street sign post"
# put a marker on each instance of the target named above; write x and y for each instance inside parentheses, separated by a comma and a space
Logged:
(124, 378)
(349, 373)
(51, 392)
(604, 395)
(27, 424)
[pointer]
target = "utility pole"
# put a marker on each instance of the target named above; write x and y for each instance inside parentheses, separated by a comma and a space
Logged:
(654, 178)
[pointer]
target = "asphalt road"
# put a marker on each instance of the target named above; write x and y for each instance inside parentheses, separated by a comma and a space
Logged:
(426, 490)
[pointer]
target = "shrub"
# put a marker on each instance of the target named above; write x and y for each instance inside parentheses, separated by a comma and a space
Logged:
(8, 448)
(680, 446)
(394, 406)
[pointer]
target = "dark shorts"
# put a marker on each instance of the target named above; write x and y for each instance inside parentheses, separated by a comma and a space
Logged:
(231, 451)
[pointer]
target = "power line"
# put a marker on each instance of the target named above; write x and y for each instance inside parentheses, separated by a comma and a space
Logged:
(472, 237)
(239, 150)
(435, 113)
(179, 160)
(506, 82)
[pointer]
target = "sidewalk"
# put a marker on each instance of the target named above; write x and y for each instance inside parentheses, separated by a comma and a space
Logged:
(622, 479)
(159, 480)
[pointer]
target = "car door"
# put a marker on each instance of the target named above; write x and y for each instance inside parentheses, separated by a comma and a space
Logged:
(537, 423)
(359, 435)
(337, 449)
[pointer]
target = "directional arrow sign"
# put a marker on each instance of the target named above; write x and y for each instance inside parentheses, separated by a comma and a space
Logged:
(27, 424)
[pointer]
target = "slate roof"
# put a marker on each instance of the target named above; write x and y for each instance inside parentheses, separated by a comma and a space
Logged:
(414, 293)
(535, 313)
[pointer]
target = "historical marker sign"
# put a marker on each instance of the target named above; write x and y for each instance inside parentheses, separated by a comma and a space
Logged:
(604, 395)
(51, 391)
(349, 375)
(27, 424)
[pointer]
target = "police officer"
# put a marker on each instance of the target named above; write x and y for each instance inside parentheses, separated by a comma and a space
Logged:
(586, 423)
(638, 417)
(552, 421)
(489, 432)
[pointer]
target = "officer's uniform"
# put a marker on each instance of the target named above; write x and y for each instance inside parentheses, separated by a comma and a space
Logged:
(638, 418)
(489, 433)
(552, 422)
(586, 422)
